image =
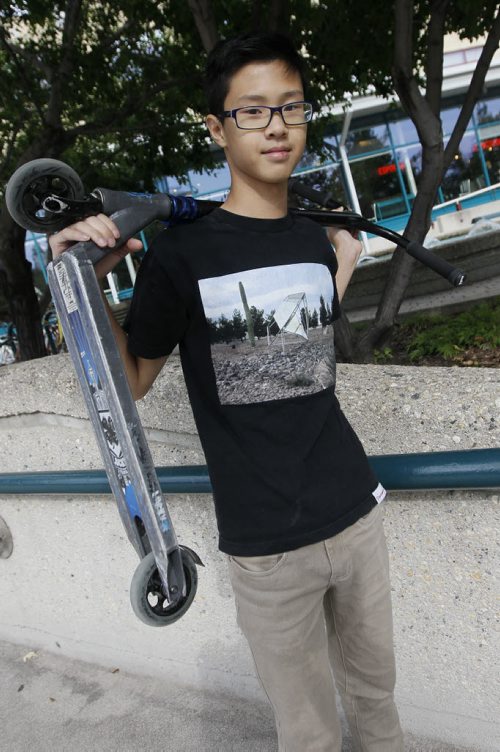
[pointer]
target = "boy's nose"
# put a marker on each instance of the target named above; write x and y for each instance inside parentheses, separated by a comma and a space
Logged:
(277, 122)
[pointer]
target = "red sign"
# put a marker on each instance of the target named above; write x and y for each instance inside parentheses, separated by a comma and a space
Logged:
(490, 143)
(387, 169)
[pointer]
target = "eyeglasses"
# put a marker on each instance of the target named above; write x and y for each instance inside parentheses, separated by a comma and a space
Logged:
(259, 116)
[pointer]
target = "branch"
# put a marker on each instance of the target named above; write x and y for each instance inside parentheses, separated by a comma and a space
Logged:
(33, 59)
(204, 19)
(474, 90)
(427, 124)
(403, 38)
(63, 73)
(131, 106)
(257, 15)
(434, 57)
(279, 15)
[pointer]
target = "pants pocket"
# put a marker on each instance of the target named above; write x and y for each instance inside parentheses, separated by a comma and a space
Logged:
(258, 565)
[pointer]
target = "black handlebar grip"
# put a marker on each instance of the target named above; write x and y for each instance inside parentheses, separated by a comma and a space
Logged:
(455, 276)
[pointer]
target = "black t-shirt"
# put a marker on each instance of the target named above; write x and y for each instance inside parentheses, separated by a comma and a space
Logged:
(250, 302)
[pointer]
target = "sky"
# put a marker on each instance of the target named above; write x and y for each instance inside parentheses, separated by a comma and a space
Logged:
(266, 288)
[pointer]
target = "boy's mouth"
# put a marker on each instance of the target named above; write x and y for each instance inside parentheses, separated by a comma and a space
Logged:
(278, 152)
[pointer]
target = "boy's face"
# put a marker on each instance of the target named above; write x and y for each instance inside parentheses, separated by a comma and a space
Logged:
(270, 154)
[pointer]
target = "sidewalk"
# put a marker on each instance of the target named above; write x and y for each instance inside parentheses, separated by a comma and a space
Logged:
(50, 703)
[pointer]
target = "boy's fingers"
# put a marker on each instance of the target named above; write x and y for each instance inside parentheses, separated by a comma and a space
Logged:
(109, 224)
(134, 245)
(100, 232)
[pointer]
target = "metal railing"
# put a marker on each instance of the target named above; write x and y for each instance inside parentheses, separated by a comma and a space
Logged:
(466, 469)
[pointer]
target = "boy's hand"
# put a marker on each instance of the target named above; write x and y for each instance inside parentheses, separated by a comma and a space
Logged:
(344, 241)
(103, 232)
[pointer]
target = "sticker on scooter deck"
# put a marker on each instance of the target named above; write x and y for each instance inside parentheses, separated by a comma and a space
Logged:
(96, 390)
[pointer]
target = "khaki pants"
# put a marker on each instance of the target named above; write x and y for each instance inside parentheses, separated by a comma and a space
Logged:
(324, 607)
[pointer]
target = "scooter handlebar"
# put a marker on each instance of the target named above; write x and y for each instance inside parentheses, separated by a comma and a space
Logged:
(455, 276)
(352, 220)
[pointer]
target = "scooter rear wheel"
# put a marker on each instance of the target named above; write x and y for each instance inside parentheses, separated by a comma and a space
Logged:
(147, 596)
(31, 184)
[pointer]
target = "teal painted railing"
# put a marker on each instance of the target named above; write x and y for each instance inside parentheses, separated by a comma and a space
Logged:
(475, 468)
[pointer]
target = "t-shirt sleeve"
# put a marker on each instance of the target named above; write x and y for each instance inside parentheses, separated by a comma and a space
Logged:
(158, 316)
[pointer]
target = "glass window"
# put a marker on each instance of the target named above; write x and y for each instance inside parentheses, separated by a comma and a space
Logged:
(410, 160)
(403, 132)
(365, 140)
(327, 180)
(209, 182)
(465, 174)
(487, 111)
(172, 184)
(378, 186)
(490, 144)
(449, 118)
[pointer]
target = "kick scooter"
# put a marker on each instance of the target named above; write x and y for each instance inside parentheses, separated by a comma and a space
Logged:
(46, 195)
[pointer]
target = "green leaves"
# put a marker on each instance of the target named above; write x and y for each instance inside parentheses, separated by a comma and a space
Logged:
(449, 335)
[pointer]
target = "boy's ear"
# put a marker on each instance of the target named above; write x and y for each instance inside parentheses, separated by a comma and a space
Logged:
(216, 130)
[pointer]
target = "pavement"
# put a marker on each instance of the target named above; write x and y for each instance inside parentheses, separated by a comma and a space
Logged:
(51, 703)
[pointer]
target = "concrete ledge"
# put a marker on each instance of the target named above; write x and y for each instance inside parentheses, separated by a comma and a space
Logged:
(65, 588)
(478, 256)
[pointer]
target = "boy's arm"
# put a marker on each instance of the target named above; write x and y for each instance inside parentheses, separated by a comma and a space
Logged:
(141, 372)
(347, 251)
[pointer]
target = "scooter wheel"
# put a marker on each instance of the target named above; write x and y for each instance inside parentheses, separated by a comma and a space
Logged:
(31, 184)
(147, 596)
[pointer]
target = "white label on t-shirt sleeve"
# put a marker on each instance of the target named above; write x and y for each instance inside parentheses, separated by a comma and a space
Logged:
(379, 493)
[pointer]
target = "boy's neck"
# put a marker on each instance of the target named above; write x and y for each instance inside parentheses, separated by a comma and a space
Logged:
(265, 201)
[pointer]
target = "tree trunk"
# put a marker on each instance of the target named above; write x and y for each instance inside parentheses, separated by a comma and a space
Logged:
(16, 284)
(16, 280)
(401, 264)
(344, 337)
(204, 18)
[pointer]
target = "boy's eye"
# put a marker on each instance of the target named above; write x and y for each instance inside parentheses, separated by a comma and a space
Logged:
(252, 111)
(294, 107)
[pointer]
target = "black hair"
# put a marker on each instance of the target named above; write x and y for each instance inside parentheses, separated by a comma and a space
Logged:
(230, 55)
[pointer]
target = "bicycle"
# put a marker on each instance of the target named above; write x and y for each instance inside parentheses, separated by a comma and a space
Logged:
(9, 346)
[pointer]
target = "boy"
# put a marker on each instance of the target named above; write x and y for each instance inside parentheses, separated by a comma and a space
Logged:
(295, 499)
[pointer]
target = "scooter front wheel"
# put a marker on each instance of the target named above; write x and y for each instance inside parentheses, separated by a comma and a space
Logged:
(29, 189)
(147, 596)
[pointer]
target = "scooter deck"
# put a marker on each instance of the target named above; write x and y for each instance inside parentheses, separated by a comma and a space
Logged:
(113, 413)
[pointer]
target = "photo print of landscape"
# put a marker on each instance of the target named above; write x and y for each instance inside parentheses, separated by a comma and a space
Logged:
(271, 335)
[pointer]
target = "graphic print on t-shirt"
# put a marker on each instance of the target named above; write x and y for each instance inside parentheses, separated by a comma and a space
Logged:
(271, 335)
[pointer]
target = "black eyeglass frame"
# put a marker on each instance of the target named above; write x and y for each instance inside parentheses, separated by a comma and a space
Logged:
(272, 110)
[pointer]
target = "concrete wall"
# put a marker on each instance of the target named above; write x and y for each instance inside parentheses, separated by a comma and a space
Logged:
(65, 587)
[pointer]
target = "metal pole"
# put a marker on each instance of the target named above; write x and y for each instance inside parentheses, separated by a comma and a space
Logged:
(466, 469)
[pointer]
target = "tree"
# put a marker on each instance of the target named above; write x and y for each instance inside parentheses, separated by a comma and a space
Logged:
(405, 54)
(323, 312)
(239, 325)
(116, 90)
(225, 329)
(106, 86)
(259, 322)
